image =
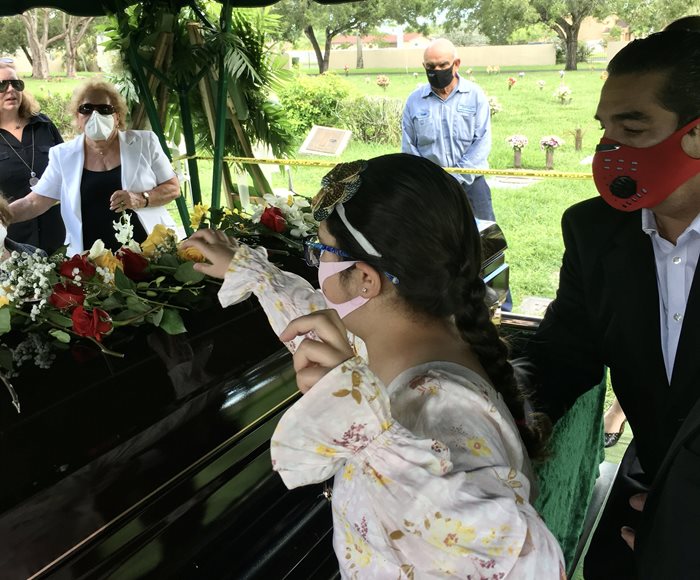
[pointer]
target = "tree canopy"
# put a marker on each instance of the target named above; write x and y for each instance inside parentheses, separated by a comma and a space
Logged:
(321, 23)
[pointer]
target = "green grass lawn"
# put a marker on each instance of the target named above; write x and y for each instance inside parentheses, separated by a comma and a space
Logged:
(530, 217)
(58, 84)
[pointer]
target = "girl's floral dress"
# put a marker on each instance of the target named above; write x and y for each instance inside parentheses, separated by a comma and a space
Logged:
(431, 479)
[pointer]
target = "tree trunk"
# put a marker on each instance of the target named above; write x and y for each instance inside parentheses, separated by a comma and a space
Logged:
(309, 31)
(76, 28)
(39, 41)
(327, 50)
(571, 50)
(568, 33)
(360, 58)
(28, 54)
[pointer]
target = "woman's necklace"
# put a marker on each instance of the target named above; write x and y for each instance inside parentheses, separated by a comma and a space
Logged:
(33, 179)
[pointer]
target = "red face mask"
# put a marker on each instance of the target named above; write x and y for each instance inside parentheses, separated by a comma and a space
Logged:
(629, 178)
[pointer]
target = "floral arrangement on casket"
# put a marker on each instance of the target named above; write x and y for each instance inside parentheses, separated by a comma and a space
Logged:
(54, 299)
(286, 219)
(90, 294)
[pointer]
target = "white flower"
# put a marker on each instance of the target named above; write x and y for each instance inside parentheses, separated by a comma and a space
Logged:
(517, 141)
(551, 142)
(123, 228)
(97, 250)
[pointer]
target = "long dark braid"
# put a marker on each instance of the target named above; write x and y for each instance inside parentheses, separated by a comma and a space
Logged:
(476, 328)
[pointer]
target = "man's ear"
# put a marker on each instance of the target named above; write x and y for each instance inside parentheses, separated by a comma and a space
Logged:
(457, 62)
(691, 142)
(369, 280)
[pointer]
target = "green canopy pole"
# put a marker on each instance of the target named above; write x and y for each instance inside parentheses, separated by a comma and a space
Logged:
(220, 121)
(147, 99)
(188, 133)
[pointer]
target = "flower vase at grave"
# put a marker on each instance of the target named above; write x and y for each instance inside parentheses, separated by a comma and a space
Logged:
(549, 163)
(517, 158)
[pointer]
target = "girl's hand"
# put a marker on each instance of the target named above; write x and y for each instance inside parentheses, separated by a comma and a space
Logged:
(324, 348)
(216, 247)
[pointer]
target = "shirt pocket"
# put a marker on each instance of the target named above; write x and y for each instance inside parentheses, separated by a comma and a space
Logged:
(465, 121)
(424, 128)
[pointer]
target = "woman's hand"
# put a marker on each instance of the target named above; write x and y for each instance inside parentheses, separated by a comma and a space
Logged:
(216, 247)
(324, 348)
(123, 199)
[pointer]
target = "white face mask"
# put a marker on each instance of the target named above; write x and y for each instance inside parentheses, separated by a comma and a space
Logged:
(99, 127)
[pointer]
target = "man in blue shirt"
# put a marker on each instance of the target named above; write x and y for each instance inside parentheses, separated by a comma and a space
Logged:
(448, 120)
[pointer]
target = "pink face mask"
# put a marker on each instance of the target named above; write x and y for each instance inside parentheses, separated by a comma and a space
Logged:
(328, 269)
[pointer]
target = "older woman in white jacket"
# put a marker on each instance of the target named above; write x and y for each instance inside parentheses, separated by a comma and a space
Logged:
(101, 173)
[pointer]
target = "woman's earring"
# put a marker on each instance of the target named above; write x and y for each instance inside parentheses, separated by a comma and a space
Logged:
(364, 290)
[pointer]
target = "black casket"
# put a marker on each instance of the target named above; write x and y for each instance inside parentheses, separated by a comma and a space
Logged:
(157, 465)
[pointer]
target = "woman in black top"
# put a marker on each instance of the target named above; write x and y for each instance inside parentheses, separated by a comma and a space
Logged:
(25, 139)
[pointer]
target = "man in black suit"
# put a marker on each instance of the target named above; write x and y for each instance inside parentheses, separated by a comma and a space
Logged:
(626, 297)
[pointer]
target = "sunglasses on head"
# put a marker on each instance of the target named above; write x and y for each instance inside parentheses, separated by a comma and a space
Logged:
(17, 84)
(88, 108)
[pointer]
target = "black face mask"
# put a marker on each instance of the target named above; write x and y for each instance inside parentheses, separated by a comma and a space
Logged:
(439, 79)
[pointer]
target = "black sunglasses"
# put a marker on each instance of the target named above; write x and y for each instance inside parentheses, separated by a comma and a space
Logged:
(17, 84)
(88, 108)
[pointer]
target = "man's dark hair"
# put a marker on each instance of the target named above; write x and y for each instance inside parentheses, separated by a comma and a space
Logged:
(674, 53)
(687, 23)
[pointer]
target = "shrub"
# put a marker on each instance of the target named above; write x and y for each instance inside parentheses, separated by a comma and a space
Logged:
(314, 100)
(55, 107)
(583, 52)
(374, 119)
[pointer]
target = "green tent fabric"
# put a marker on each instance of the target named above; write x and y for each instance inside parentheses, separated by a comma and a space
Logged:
(101, 7)
(566, 480)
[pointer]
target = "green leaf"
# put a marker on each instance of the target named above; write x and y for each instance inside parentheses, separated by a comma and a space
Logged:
(122, 282)
(127, 314)
(187, 274)
(172, 322)
(5, 320)
(155, 317)
(168, 260)
(60, 335)
(111, 302)
(134, 304)
(60, 319)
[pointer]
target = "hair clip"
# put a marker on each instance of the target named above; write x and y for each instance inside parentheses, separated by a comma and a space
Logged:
(337, 186)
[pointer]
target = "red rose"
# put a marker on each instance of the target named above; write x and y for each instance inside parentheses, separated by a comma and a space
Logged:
(134, 264)
(67, 296)
(273, 219)
(77, 266)
(92, 324)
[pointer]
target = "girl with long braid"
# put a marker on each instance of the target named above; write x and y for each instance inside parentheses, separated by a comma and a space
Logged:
(416, 412)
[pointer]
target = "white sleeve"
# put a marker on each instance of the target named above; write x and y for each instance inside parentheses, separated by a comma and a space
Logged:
(50, 183)
(160, 164)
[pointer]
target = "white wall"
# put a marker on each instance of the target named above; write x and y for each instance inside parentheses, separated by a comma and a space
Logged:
(514, 55)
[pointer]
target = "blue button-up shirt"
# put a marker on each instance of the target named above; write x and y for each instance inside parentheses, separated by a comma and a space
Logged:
(455, 132)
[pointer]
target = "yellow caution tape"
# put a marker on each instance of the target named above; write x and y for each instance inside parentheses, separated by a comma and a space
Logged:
(312, 163)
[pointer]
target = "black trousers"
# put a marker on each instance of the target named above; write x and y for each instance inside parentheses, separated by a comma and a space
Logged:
(608, 556)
